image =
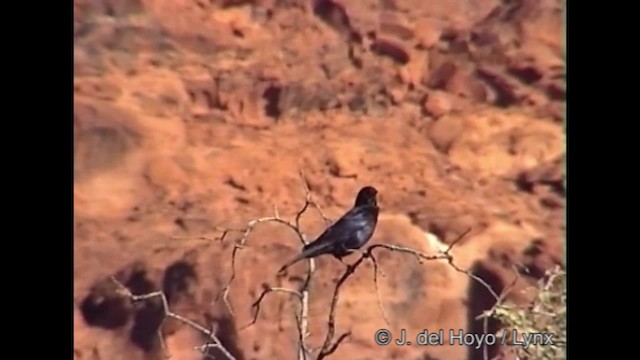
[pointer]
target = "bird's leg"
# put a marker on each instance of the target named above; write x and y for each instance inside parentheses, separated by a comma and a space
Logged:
(341, 260)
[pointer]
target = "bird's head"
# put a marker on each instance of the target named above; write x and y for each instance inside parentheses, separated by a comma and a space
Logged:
(367, 196)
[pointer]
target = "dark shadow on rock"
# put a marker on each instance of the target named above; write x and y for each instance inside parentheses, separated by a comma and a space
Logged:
(481, 300)
(227, 333)
(149, 314)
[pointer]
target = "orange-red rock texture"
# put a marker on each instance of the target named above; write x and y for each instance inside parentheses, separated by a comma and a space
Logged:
(193, 114)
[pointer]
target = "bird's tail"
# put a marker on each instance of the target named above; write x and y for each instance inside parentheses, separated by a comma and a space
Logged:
(292, 261)
(309, 250)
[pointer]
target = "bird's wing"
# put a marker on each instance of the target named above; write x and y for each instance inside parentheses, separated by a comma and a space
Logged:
(339, 232)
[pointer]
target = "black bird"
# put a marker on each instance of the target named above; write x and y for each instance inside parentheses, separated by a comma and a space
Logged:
(352, 231)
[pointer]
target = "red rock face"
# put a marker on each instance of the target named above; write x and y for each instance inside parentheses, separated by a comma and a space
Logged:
(192, 115)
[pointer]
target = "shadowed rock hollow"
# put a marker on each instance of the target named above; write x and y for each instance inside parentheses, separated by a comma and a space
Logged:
(196, 114)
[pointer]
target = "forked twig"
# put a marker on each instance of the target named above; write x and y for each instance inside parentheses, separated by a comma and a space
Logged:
(215, 342)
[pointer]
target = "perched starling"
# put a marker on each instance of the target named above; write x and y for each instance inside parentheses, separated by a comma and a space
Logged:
(352, 231)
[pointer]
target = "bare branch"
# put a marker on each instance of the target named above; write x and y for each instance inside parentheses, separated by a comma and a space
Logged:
(220, 238)
(169, 314)
(375, 283)
(303, 320)
(302, 346)
(310, 202)
(337, 343)
(267, 290)
(328, 347)
(456, 241)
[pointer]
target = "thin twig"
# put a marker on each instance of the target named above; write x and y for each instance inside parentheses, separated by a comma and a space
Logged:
(375, 283)
(268, 290)
(304, 311)
(169, 314)
(328, 347)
